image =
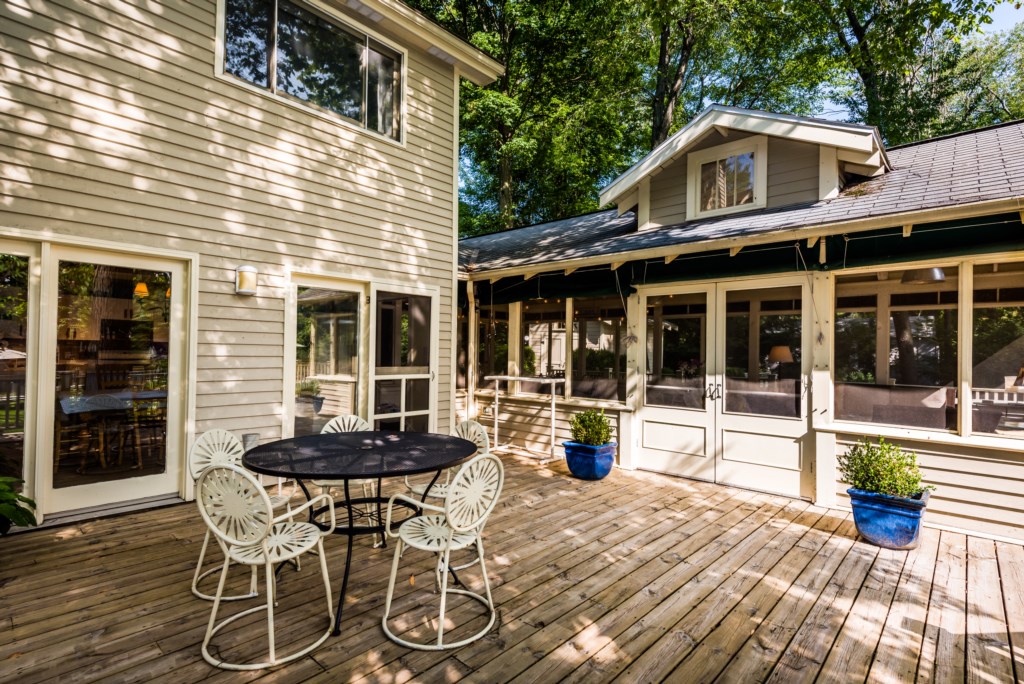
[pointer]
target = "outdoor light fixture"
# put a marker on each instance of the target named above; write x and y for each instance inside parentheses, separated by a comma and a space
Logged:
(781, 354)
(141, 290)
(923, 276)
(246, 280)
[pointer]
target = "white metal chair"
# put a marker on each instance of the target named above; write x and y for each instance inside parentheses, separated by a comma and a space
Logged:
(237, 511)
(212, 448)
(467, 429)
(472, 494)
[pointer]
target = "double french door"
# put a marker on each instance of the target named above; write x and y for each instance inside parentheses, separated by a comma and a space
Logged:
(725, 368)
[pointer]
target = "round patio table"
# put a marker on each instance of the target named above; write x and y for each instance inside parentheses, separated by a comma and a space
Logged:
(350, 456)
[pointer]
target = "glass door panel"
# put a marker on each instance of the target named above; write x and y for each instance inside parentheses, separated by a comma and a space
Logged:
(14, 358)
(676, 347)
(110, 415)
(326, 357)
(403, 370)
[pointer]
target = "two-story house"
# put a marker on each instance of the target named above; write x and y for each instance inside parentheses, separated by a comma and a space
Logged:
(235, 214)
(769, 290)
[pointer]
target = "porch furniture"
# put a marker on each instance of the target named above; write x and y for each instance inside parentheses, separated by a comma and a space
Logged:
(351, 456)
(467, 429)
(237, 510)
(542, 381)
(472, 495)
(213, 448)
(349, 423)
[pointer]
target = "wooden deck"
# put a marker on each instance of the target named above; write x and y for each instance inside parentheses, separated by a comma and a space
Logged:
(637, 578)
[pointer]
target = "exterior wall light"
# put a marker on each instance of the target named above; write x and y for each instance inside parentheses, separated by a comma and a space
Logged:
(246, 280)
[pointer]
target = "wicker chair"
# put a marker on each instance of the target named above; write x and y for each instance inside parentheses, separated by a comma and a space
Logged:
(472, 494)
(238, 512)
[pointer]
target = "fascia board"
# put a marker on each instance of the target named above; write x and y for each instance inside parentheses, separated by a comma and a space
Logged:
(842, 136)
(417, 30)
(950, 213)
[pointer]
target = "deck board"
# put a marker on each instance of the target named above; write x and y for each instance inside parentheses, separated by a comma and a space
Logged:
(638, 577)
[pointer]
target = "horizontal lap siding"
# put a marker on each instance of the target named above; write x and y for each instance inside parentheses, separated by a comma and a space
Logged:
(114, 128)
(976, 489)
(792, 172)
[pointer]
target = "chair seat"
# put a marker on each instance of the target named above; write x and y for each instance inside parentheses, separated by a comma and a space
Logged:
(285, 541)
(439, 490)
(338, 483)
(279, 501)
(430, 533)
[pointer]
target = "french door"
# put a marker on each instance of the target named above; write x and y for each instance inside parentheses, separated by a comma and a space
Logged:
(110, 378)
(403, 368)
(724, 384)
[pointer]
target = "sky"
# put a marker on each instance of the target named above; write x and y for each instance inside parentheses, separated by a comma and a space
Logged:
(1004, 17)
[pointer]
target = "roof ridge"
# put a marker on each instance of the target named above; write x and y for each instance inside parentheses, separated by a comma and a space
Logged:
(958, 134)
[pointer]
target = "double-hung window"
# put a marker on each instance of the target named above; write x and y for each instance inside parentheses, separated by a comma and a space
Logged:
(727, 178)
(297, 52)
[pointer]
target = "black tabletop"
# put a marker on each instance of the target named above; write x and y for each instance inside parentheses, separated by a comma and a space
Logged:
(358, 455)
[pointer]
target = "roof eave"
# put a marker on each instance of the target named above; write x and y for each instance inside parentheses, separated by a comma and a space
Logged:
(420, 31)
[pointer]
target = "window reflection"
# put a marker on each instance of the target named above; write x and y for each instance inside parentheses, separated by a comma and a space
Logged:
(598, 348)
(997, 377)
(493, 344)
(676, 365)
(14, 354)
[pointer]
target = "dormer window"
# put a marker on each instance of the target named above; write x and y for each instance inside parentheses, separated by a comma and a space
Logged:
(727, 178)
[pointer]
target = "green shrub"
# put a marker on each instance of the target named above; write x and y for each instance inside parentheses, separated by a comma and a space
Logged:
(591, 427)
(883, 468)
(15, 508)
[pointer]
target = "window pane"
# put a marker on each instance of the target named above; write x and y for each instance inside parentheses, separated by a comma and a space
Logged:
(403, 333)
(382, 73)
(13, 361)
(112, 355)
(997, 379)
(766, 379)
(676, 334)
(543, 350)
(326, 347)
(247, 25)
(319, 62)
(492, 343)
(904, 373)
(727, 182)
(708, 185)
(461, 350)
(599, 349)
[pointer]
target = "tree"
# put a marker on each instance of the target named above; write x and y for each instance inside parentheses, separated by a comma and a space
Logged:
(899, 56)
(989, 82)
(537, 141)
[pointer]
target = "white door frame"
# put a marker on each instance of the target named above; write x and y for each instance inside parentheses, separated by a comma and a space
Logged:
(180, 354)
(716, 464)
(434, 294)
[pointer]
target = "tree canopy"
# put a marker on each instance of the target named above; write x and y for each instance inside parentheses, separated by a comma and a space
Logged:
(593, 85)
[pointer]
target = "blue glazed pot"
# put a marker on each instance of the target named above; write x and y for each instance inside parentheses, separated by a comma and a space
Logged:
(589, 462)
(892, 522)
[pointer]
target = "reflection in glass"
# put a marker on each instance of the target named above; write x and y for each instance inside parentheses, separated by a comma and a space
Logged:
(493, 344)
(403, 333)
(676, 342)
(598, 348)
(247, 27)
(13, 361)
(388, 394)
(326, 357)
(727, 182)
(997, 379)
(382, 74)
(762, 374)
(112, 335)
(900, 368)
(543, 351)
(417, 394)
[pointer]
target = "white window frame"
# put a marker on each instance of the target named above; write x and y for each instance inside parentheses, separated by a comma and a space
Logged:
(756, 145)
(309, 108)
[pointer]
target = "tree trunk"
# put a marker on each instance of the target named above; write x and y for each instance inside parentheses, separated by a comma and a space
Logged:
(669, 81)
(505, 208)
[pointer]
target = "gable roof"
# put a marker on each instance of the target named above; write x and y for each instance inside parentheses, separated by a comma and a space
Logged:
(862, 144)
(967, 174)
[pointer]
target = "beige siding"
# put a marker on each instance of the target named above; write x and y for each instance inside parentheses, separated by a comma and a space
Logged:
(792, 172)
(975, 488)
(115, 128)
(792, 177)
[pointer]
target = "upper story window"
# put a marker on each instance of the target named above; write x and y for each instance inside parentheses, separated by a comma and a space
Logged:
(727, 178)
(292, 50)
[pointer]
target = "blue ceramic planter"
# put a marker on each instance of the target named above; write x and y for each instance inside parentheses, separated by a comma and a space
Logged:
(589, 462)
(892, 522)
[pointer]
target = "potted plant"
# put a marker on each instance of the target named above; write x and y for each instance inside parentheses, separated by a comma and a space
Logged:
(886, 493)
(15, 508)
(310, 389)
(591, 452)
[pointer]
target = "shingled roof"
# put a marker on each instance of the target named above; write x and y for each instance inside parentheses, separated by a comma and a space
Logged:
(962, 169)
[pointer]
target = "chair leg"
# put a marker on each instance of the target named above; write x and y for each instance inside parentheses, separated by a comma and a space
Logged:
(444, 598)
(271, 598)
(216, 606)
(483, 571)
(199, 566)
(327, 579)
(391, 584)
